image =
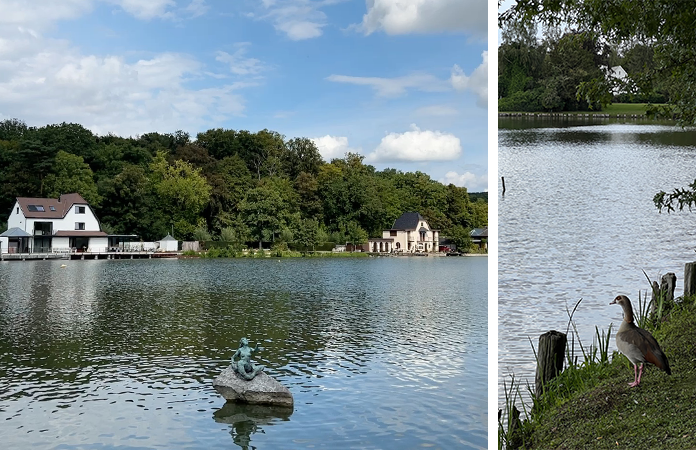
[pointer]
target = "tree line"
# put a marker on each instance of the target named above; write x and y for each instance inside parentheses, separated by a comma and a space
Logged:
(229, 185)
(570, 71)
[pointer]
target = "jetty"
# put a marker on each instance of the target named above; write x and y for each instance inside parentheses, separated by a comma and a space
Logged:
(86, 255)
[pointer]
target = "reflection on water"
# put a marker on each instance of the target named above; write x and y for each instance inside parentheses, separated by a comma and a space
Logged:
(577, 222)
(378, 353)
(246, 420)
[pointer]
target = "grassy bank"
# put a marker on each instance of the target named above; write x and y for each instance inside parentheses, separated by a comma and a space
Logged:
(613, 110)
(592, 406)
(232, 253)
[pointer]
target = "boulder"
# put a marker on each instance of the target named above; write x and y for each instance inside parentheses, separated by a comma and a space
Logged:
(262, 390)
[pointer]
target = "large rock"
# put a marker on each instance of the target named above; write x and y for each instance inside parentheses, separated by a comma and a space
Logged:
(262, 390)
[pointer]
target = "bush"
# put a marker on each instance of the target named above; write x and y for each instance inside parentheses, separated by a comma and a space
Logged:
(527, 101)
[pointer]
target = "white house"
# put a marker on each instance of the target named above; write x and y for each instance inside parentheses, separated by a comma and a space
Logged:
(619, 76)
(410, 234)
(57, 225)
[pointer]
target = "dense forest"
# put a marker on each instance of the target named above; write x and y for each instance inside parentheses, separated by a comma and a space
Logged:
(234, 186)
(570, 72)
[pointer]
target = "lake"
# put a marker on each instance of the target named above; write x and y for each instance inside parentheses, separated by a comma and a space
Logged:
(578, 221)
(378, 352)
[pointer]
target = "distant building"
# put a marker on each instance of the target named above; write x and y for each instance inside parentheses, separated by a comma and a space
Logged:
(479, 237)
(619, 74)
(168, 244)
(409, 234)
(43, 225)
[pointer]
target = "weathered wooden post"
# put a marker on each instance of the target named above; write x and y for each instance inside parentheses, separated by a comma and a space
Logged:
(550, 356)
(655, 295)
(667, 286)
(503, 180)
(689, 279)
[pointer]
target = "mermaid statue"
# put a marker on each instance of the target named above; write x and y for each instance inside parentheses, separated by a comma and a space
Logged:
(244, 367)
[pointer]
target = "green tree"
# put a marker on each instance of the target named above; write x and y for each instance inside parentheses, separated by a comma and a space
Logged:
(667, 25)
(69, 137)
(182, 190)
(302, 156)
(461, 237)
(130, 205)
(264, 212)
(72, 174)
(307, 234)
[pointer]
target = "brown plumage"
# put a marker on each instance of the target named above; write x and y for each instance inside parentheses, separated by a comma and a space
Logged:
(637, 344)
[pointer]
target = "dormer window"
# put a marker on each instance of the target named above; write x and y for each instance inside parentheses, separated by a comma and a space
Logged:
(36, 208)
(52, 208)
(79, 209)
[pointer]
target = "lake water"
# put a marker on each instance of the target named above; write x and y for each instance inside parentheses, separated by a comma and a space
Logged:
(378, 352)
(578, 222)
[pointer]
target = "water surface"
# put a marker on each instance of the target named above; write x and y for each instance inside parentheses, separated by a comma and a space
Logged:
(378, 353)
(578, 222)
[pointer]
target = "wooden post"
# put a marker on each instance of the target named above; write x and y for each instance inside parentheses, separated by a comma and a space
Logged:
(503, 179)
(655, 293)
(689, 279)
(667, 285)
(550, 356)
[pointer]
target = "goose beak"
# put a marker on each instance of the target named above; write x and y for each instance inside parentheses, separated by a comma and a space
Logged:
(613, 302)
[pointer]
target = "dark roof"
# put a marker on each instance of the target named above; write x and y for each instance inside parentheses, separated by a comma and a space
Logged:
(407, 221)
(79, 233)
(479, 232)
(60, 205)
(15, 232)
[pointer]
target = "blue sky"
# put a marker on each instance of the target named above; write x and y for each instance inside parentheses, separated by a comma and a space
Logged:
(403, 82)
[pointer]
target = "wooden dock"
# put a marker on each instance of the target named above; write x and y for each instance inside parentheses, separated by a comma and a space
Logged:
(85, 255)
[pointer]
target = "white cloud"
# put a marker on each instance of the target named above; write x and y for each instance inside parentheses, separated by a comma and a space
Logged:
(472, 182)
(44, 80)
(477, 82)
(426, 16)
(297, 19)
(331, 147)
(146, 10)
(239, 64)
(417, 145)
(437, 110)
(38, 14)
(55, 83)
(392, 87)
(197, 8)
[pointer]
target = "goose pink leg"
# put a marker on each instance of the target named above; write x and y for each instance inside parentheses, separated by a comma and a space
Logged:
(637, 375)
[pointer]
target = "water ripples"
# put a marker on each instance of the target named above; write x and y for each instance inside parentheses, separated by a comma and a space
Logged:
(378, 353)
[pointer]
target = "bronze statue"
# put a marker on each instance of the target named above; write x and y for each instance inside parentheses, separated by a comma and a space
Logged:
(244, 368)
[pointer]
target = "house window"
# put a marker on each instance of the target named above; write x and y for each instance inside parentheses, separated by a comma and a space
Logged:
(35, 208)
(79, 225)
(52, 208)
(392, 232)
(18, 210)
(79, 209)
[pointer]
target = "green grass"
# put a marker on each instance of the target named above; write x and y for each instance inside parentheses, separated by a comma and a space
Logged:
(592, 406)
(613, 110)
(625, 108)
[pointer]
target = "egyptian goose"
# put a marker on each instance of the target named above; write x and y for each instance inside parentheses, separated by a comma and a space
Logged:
(637, 344)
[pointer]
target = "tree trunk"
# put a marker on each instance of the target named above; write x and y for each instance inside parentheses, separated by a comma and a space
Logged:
(550, 356)
(689, 279)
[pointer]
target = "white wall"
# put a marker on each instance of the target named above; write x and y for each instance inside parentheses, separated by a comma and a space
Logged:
(60, 243)
(3, 244)
(98, 244)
